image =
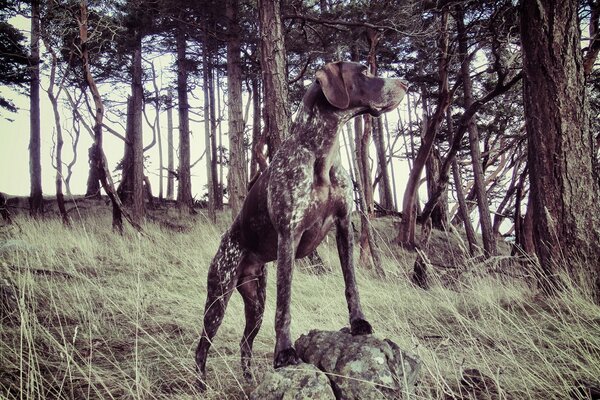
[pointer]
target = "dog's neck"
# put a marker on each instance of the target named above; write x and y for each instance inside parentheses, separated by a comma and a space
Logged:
(318, 123)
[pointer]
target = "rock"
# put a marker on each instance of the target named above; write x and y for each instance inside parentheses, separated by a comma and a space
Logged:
(303, 381)
(360, 367)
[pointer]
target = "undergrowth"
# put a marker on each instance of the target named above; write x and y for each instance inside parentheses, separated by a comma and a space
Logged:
(87, 313)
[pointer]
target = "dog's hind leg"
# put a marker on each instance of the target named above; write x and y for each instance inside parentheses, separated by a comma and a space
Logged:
(252, 285)
(222, 278)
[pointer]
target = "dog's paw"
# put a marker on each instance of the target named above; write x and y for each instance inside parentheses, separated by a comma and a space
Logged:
(200, 384)
(286, 357)
(360, 327)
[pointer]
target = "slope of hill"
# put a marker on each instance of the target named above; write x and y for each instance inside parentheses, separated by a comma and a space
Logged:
(87, 313)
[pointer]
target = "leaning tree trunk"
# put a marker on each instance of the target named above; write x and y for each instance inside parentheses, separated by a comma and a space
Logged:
(184, 187)
(35, 165)
(563, 189)
(406, 232)
(98, 152)
(489, 241)
(236, 178)
(53, 97)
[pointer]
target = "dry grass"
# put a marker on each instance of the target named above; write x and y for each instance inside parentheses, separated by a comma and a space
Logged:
(90, 314)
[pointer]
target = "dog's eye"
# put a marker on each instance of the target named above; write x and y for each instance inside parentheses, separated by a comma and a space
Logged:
(365, 71)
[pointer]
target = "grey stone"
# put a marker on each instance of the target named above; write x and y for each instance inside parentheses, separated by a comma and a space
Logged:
(298, 382)
(360, 367)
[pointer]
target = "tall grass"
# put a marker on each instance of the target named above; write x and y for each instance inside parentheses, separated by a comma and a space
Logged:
(87, 313)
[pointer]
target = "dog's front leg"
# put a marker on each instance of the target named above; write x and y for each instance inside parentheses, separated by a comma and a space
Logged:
(284, 352)
(345, 245)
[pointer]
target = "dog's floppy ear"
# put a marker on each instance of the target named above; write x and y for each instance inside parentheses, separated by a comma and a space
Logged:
(332, 83)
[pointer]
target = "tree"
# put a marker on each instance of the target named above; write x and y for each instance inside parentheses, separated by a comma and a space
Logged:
(14, 58)
(36, 200)
(564, 191)
(184, 187)
(170, 148)
(489, 241)
(277, 114)
(237, 176)
(406, 232)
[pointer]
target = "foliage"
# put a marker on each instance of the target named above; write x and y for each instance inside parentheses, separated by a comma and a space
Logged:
(14, 57)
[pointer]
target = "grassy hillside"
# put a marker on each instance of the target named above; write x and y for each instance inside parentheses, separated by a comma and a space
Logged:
(90, 314)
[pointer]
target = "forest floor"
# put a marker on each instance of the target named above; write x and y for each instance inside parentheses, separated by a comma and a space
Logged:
(87, 313)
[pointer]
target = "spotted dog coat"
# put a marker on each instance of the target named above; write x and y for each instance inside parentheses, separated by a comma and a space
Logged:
(291, 207)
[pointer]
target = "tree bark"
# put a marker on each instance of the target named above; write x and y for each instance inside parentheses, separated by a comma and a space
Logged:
(563, 191)
(35, 165)
(170, 148)
(257, 159)
(439, 214)
(184, 187)
(214, 158)
(137, 145)
(277, 114)
(157, 131)
(237, 175)
(212, 214)
(489, 241)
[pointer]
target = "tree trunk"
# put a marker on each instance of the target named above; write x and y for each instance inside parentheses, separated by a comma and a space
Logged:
(137, 204)
(98, 152)
(184, 187)
(60, 198)
(125, 188)
(489, 241)
(214, 158)
(277, 114)
(386, 198)
(368, 249)
(212, 214)
(4, 210)
(439, 214)
(157, 130)
(35, 165)
(406, 233)
(237, 176)
(463, 208)
(170, 148)
(221, 150)
(93, 182)
(564, 192)
(257, 159)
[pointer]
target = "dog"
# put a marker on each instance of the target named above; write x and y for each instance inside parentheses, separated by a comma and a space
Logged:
(291, 207)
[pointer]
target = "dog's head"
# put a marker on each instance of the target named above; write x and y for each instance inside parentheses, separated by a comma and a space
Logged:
(350, 87)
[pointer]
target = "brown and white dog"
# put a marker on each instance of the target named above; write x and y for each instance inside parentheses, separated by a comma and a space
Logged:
(290, 209)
